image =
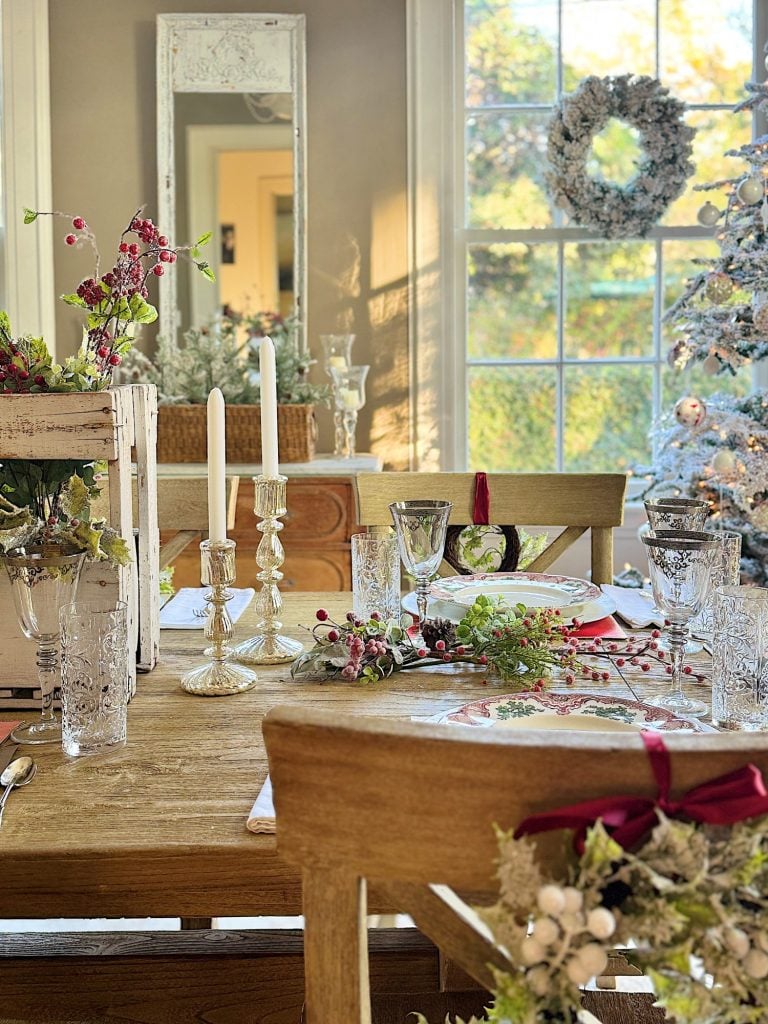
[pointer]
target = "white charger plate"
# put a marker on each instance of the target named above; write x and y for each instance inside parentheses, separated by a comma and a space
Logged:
(591, 612)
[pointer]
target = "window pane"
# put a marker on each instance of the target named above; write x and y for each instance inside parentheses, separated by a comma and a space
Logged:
(705, 55)
(511, 51)
(609, 299)
(716, 132)
(512, 418)
(607, 417)
(512, 301)
(506, 161)
(607, 37)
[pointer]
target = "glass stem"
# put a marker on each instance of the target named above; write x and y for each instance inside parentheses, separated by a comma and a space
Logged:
(47, 675)
(350, 425)
(338, 423)
(422, 596)
(678, 637)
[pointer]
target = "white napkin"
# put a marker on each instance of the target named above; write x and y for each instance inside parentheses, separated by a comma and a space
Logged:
(179, 612)
(636, 607)
(262, 816)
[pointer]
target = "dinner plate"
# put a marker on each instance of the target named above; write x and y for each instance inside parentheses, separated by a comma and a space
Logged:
(591, 612)
(533, 589)
(583, 712)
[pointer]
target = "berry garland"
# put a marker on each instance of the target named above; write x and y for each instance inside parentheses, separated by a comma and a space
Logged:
(610, 209)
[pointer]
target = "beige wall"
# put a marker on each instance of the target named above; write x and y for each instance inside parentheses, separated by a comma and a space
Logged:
(103, 114)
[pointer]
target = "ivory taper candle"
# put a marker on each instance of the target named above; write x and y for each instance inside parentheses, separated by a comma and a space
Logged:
(217, 468)
(268, 408)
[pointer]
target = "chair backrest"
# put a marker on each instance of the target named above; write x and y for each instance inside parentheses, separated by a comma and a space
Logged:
(575, 501)
(182, 502)
(410, 808)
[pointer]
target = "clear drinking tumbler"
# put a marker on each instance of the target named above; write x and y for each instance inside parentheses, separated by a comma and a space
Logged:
(375, 575)
(740, 659)
(94, 678)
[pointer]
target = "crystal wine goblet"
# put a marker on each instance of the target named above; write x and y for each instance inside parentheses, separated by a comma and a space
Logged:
(680, 564)
(677, 513)
(420, 527)
(43, 582)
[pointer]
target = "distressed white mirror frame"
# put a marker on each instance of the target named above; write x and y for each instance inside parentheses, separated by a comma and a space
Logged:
(229, 53)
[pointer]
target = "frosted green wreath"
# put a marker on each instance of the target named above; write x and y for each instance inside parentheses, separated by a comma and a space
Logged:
(603, 206)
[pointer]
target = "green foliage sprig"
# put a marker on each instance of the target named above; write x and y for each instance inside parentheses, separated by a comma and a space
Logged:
(521, 647)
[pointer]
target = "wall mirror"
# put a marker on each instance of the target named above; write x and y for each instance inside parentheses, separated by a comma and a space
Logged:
(230, 123)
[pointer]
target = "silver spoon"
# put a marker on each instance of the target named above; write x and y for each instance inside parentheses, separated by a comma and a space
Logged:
(18, 773)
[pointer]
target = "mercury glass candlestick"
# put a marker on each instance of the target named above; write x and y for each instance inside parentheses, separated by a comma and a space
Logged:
(269, 646)
(219, 677)
(349, 396)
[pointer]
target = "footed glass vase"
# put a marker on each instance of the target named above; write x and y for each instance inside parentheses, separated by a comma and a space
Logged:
(43, 583)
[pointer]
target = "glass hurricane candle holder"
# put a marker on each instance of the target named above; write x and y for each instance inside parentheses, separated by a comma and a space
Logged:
(43, 583)
(337, 355)
(349, 398)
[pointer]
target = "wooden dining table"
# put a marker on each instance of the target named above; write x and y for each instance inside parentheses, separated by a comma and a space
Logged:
(158, 827)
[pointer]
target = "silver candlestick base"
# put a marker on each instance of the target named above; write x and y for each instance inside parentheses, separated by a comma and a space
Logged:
(269, 646)
(219, 677)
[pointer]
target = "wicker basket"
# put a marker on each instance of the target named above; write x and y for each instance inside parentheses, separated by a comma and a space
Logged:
(181, 433)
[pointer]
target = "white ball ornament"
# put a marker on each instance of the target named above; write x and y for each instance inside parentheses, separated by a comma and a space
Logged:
(690, 411)
(572, 922)
(750, 190)
(551, 900)
(531, 951)
(538, 980)
(577, 972)
(601, 923)
(574, 899)
(756, 964)
(708, 215)
(593, 958)
(545, 931)
(711, 365)
(737, 941)
(724, 462)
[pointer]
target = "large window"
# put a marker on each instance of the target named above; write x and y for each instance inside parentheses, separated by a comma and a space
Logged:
(560, 349)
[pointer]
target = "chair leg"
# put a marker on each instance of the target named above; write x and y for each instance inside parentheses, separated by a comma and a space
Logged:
(602, 554)
(335, 948)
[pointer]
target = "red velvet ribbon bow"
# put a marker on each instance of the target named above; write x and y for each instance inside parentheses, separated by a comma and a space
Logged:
(481, 510)
(725, 800)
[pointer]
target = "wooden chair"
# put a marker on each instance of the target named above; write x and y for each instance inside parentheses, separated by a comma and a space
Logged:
(409, 808)
(576, 501)
(182, 506)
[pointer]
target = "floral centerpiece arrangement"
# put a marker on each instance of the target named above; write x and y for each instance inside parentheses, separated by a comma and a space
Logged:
(678, 886)
(522, 647)
(49, 501)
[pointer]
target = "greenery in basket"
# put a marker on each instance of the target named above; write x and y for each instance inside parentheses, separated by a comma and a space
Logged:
(225, 354)
(49, 501)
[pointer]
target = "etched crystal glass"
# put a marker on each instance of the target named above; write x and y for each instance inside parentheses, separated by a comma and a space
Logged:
(676, 513)
(725, 573)
(43, 583)
(375, 576)
(740, 659)
(680, 564)
(337, 355)
(94, 678)
(420, 527)
(349, 399)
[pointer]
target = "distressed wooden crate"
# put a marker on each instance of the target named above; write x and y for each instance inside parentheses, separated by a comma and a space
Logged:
(106, 425)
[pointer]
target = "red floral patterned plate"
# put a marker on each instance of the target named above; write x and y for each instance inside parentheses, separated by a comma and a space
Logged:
(533, 589)
(573, 711)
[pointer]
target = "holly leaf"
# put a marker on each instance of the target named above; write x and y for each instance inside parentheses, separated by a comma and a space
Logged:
(30, 216)
(75, 500)
(115, 548)
(206, 271)
(73, 300)
(5, 324)
(141, 310)
(204, 239)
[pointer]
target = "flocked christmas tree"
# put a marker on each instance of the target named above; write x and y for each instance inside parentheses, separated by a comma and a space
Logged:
(719, 449)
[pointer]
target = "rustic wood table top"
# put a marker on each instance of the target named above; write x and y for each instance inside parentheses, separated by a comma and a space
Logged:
(158, 828)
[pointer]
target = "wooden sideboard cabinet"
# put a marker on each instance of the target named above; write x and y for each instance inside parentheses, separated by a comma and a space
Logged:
(319, 523)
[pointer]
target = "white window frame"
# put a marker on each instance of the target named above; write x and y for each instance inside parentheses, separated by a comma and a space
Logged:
(25, 135)
(438, 241)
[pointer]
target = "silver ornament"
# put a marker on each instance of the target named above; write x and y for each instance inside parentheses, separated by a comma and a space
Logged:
(750, 190)
(719, 287)
(724, 462)
(708, 215)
